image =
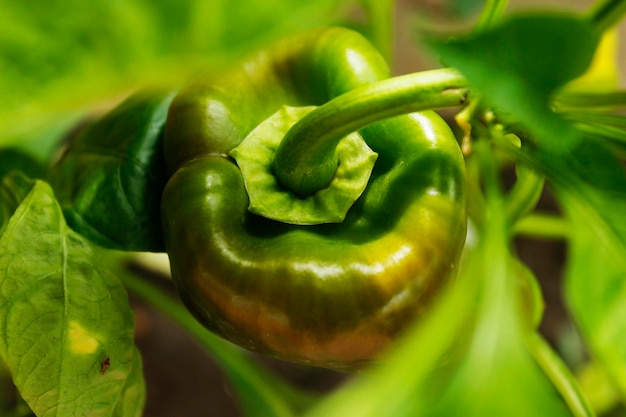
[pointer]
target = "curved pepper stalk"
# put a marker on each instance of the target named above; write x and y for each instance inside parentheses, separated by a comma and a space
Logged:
(255, 157)
(330, 295)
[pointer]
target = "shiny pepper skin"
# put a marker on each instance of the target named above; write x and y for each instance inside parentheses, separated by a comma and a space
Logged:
(330, 295)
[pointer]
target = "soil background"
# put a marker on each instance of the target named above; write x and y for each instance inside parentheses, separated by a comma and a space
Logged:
(184, 382)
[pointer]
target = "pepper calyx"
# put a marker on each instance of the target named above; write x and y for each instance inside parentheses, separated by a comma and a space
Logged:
(255, 156)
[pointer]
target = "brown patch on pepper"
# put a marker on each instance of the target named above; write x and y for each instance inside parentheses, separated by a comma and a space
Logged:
(106, 364)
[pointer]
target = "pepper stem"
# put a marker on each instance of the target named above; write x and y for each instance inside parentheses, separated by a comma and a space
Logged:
(606, 13)
(491, 13)
(305, 161)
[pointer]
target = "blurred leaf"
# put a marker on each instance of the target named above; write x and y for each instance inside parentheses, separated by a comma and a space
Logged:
(521, 49)
(58, 56)
(468, 358)
(596, 275)
(603, 74)
(66, 328)
(606, 13)
(589, 179)
(609, 135)
(15, 159)
(601, 392)
(466, 7)
(517, 66)
(491, 13)
(599, 119)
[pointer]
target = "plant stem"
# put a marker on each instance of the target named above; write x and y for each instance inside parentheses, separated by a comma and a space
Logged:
(491, 13)
(560, 376)
(597, 119)
(305, 161)
(606, 13)
(381, 16)
(542, 226)
(590, 100)
(246, 377)
(525, 193)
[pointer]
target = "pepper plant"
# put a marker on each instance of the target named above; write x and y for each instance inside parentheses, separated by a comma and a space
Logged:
(313, 205)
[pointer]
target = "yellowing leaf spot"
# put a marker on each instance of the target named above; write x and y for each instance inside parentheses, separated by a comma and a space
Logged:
(80, 340)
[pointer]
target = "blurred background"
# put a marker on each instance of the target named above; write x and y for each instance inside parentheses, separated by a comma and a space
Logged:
(62, 60)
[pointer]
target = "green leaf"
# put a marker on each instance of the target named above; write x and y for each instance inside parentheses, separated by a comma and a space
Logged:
(596, 276)
(109, 181)
(543, 51)
(13, 159)
(603, 73)
(604, 123)
(11, 404)
(491, 13)
(58, 56)
(518, 65)
(66, 328)
(255, 157)
(133, 395)
(588, 177)
(13, 189)
(607, 13)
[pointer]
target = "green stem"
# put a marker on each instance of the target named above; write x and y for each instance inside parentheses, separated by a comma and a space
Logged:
(606, 13)
(592, 120)
(612, 133)
(381, 22)
(476, 205)
(305, 161)
(250, 380)
(590, 100)
(493, 10)
(542, 226)
(525, 193)
(560, 376)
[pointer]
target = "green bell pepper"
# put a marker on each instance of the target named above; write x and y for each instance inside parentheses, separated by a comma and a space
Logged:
(331, 295)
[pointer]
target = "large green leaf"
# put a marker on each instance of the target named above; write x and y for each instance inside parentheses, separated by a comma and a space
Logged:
(109, 180)
(12, 159)
(66, 328)
(596, 276)
(518, 65)
(57, 56)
